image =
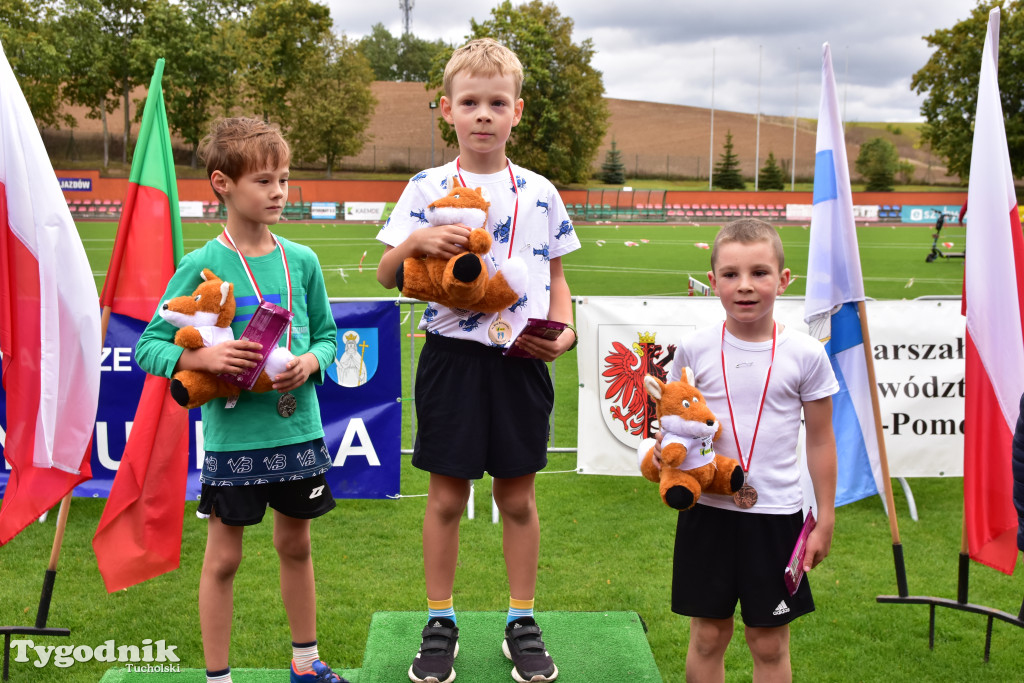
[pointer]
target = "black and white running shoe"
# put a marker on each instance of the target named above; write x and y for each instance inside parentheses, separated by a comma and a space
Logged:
(438, 649)
(523, 645)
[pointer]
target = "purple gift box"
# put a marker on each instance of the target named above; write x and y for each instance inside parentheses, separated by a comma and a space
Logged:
(266, 327)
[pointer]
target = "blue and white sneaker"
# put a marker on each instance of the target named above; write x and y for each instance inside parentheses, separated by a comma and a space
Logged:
(321, 673)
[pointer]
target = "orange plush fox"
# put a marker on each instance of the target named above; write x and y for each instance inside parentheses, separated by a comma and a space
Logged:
(462, 281)
(689, 462)
(204, 317)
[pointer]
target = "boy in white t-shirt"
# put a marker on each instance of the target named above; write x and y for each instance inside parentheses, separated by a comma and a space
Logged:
(756, 376)
(477, 409)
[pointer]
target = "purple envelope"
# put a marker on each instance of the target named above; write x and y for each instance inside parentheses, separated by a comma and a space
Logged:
(536, 327)
(794, 572)
(266, 327)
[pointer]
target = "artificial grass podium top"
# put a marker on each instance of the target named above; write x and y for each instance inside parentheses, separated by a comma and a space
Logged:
(586, 646)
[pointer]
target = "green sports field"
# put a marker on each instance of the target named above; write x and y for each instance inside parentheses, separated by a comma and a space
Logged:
(606, 541)
(892, 257)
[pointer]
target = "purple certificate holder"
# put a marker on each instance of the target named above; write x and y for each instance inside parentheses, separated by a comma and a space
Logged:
(267, 326)
(536, 327)
(795, 569)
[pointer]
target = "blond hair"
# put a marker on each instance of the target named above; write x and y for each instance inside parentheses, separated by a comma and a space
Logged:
(748, 231)
(236, 146)
(484, 57)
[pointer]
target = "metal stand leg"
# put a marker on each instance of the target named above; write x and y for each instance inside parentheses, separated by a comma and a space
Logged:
(910, 497)
(988, 637)
(931, 627)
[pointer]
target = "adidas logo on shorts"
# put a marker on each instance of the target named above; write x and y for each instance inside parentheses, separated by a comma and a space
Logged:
(781, 609)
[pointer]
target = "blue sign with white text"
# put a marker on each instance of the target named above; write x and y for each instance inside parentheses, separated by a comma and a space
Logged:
(929, 214)
(75, 184)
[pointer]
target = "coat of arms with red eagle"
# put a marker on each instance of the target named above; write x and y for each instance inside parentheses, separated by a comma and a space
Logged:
(625, 368)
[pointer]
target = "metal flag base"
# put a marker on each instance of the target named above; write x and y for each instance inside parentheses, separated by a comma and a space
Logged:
(8, 631)
(42, 614)
(932, 603)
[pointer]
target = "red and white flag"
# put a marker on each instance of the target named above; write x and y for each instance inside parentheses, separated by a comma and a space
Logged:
(139, 534)
(994, 305)
(49, 323)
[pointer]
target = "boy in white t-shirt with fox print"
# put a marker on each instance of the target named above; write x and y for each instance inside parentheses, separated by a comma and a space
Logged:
(756, 376)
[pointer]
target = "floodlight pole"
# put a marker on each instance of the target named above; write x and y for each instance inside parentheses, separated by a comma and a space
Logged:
(846, 83)
(711, 142)
(796, 107)
(433, 106)
(757, 138)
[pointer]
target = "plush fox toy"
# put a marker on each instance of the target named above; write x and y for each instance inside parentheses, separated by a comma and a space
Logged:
(462, 281)
(205, 320)
(689, 462)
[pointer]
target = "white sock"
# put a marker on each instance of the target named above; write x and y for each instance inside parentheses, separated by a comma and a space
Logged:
(304, 654)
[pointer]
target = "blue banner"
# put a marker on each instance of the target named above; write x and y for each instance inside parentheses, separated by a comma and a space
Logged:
(75, 184)
(929, 214)
(359, 404)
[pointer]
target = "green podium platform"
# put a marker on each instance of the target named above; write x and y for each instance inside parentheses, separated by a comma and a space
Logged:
(586, 646)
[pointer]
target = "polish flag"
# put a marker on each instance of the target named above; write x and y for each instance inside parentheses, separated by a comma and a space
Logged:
(49, 324)
(994, 305)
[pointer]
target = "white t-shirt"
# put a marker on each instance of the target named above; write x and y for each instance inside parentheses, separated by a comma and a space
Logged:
(801, 372)
(537, 231)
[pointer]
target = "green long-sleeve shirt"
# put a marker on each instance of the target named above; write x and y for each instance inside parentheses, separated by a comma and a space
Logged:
(254, 421)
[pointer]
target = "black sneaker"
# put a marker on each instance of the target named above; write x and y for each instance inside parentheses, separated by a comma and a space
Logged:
(523, 645)
(440, 646)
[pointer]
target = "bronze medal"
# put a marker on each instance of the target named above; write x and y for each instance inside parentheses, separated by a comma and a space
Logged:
(746, 497)
(500, 332)
(286, 405)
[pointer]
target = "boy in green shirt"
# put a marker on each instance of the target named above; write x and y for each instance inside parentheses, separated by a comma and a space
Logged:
(268, 448)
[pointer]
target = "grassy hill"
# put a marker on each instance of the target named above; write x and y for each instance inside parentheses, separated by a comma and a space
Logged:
(656, 140)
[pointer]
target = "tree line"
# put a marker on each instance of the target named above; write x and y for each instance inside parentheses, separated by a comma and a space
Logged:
(283, 60)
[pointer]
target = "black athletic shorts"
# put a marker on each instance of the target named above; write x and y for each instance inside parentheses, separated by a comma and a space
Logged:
(245, 505)
(725, 556)
(480, 411)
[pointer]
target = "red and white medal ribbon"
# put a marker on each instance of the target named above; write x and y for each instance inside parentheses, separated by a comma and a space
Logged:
(760, 407)
(515, 212)
(252, 277)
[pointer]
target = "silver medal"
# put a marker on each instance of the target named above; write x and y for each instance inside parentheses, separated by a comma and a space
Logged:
(286, 405)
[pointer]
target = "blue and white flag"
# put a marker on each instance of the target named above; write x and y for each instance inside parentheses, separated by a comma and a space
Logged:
(834, 286)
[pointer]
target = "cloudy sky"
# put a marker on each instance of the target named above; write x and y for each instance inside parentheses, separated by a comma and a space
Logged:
(662, 50)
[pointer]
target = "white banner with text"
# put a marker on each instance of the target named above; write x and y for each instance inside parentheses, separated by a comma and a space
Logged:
(917, 346)
(364, 211)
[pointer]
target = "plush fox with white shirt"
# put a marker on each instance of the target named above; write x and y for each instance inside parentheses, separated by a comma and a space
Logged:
(689, 462)
(204, 318)
(462, 281)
